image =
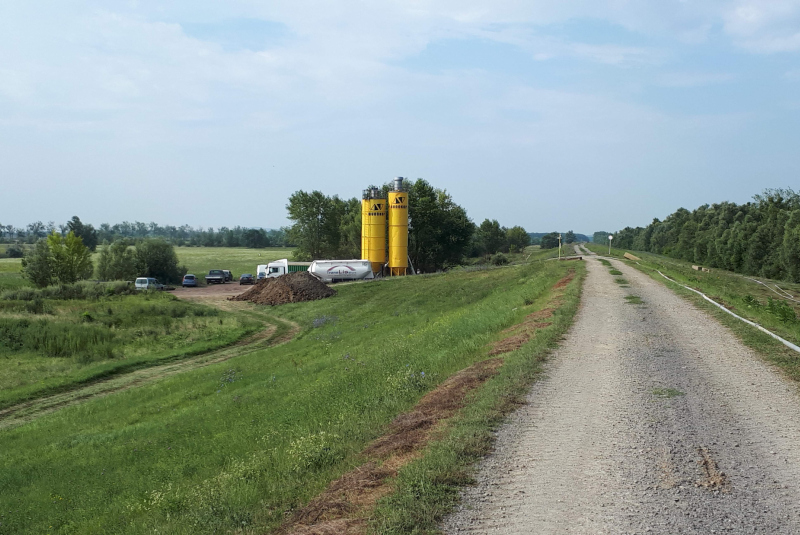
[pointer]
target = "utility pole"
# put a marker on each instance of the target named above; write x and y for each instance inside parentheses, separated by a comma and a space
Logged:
(559, 246)
(610, 237)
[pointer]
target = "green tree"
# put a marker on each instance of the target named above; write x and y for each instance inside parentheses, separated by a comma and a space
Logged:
(550, 240)
(569, 237)
(518, 239)
(118, 261)
(86, 233)
(37, 264)
(316, 224)
(491, 237)
(439, 230)
(71, 259)
(157, 258)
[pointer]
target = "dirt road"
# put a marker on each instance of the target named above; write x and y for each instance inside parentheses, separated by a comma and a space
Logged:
(653, 418)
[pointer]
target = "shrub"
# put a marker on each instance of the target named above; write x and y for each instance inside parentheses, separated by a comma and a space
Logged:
(499, 259)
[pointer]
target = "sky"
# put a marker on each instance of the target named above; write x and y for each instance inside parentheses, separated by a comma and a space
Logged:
(585, 115)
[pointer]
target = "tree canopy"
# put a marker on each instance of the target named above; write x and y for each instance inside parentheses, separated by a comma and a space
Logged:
(758, 238)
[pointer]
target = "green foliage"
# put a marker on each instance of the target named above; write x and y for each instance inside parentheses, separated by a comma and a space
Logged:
(118, 261)
(758, 238)
(53, 339)
(37, 265)
(316, 224)
(491, 237)
(155, 257)
(518, 239)
(550, 240)
(15, 251)
(71, 260)
(439, 230)
(86, 233)
(499, 259)
(600, 238)
(569, 237)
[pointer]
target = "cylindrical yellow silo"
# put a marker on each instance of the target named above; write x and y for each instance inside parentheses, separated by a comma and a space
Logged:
(364, 208)
(376, 230)
(398, 229)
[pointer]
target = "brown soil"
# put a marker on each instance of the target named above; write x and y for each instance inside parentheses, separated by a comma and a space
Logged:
(713, 478)
(343, 506)
(566, 280)
(291, 288)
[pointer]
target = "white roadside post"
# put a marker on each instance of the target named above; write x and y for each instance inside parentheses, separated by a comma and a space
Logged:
(610, 237)
(559, 246)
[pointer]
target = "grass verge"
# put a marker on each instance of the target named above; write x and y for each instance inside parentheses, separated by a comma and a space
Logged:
(427, 489)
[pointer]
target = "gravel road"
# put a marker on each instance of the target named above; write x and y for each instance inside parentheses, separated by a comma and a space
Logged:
(653, 418)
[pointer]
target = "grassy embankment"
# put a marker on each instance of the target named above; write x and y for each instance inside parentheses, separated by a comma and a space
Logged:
(234, 446)
(55, 339)
(745, 297)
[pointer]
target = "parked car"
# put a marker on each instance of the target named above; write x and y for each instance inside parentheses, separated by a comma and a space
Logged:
(148, 283)
(215, 276)
(189, 280)
(228, 275)
(247, 278)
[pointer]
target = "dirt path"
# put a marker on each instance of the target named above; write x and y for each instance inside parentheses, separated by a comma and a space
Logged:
(268, 337)
(653, 419)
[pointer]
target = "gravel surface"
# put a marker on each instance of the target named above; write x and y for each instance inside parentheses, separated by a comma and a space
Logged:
(653, 418)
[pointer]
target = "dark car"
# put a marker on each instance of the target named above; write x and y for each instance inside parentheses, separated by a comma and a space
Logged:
(189, 280)
(247, 278)
(215, 276)
(228, 275)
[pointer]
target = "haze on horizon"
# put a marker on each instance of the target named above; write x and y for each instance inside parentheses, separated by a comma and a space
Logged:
(551, 115)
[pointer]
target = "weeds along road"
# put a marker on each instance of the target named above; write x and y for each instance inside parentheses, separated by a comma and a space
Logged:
(653, 418)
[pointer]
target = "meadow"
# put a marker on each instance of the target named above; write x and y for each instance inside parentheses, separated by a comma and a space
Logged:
(54, 339)
(235, 446)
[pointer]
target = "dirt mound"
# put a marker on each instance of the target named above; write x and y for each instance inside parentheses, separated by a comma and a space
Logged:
(291, 288)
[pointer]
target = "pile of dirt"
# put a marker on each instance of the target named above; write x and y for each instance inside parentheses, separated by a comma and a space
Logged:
(290, 288)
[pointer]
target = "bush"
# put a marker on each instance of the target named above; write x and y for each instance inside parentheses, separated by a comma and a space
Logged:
(15, 251)
(499, 259)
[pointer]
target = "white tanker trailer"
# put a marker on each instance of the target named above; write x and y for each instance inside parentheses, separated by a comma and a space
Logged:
(341, 270)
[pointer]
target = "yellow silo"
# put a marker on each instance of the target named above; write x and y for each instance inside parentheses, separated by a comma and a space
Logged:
(364, 208)
(376, 230)
(398, 229)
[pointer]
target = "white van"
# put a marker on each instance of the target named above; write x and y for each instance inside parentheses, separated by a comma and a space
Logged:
(148, 283)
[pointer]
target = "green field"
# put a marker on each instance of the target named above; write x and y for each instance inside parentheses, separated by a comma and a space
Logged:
(52, 344)
(199, 260)
(234, 446)
(11, 274)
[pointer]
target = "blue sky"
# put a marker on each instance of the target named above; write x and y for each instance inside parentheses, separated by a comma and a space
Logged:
(551, 115)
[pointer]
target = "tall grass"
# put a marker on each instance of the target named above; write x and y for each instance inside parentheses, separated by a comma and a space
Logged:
(234, 446)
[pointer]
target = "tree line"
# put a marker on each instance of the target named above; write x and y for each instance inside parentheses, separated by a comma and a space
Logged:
(183, 235)
(58, 259)
(440, 233)
(760, 238)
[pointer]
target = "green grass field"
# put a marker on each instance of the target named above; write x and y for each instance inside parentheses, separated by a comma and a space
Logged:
(233, 446)
(11, 274)
(199, 260)
(49, 345)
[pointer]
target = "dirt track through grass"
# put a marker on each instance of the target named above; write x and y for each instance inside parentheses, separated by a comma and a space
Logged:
(653, 418)
(271, 335)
